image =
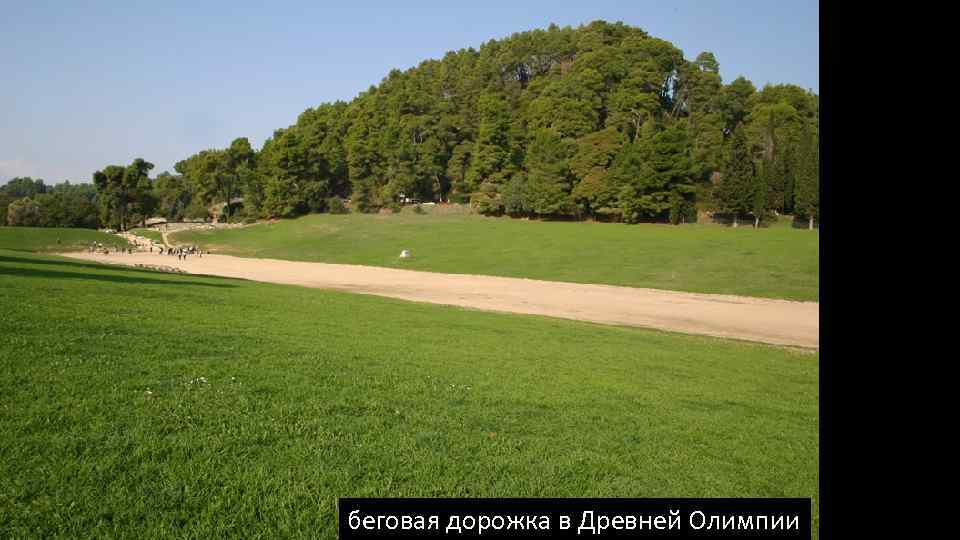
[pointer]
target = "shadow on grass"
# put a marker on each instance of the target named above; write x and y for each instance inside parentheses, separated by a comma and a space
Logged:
(113, 278)
(71, 264)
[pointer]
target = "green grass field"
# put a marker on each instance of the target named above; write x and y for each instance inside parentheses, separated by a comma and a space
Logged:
(775, 262)
(143, 404)
(40, 239)
(150, 234)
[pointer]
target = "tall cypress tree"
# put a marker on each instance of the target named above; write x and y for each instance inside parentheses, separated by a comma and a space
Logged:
(737, 186)
(784, 168)
(808, 178)
(762, 185)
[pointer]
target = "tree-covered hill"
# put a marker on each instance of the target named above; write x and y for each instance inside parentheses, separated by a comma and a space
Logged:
(599, 121)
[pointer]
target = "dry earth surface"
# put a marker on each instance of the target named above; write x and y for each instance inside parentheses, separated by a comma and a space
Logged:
(779, 322)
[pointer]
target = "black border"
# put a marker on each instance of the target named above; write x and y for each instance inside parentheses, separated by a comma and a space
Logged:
(827, 224)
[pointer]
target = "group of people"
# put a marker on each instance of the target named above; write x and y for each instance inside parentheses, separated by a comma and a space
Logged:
(182, 252)
(97, 247)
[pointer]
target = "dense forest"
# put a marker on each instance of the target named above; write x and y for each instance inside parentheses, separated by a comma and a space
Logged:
(29, 202)
(602, 121)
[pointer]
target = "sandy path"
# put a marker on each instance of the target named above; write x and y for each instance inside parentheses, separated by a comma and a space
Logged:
(778, 322)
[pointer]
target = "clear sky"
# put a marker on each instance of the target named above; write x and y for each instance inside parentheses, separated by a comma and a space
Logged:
(89, 84)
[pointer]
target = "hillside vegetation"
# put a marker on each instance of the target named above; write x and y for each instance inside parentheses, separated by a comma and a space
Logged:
(600, 121)
(156, 404)
(778, 262)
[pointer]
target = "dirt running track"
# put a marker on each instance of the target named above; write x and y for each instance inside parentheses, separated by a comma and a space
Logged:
(778, 322)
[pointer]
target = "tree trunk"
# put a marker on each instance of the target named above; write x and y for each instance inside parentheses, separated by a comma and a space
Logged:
(756, 222)
(734, 221)
(810, 226)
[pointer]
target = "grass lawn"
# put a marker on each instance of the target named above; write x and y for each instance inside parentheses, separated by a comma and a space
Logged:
(775, 262)
(41, 239)
(142, 404)
(150, 234)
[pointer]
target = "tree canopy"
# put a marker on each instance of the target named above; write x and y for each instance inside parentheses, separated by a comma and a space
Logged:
(599, 121)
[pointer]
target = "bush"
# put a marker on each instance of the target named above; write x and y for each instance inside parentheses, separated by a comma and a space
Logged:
(459, 198)
(24, 213)
(418, 209)
(516, 196)
(487, 201)
(196, 210)
(395, 207)
(335, 206)
(364, 197)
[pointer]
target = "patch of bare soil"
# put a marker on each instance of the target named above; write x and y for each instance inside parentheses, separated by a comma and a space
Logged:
(779, 322)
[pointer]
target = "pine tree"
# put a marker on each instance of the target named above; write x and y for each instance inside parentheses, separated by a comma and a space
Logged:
(548, 174)
(491, 151)
(657, 177)
(737, 185)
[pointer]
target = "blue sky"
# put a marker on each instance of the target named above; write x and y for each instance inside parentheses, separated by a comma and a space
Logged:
(96, 83)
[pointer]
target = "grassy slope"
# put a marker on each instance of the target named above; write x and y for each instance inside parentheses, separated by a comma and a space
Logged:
(313, 395)
(40, 239)
(150, 234)
(778, 262)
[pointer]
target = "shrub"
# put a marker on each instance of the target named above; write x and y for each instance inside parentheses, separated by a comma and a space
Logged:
(418, 209)
(690, 214)
(487, 201)
(459, 198)
(335, 206)
(364, 198)
(196, 210)
(24, 213)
